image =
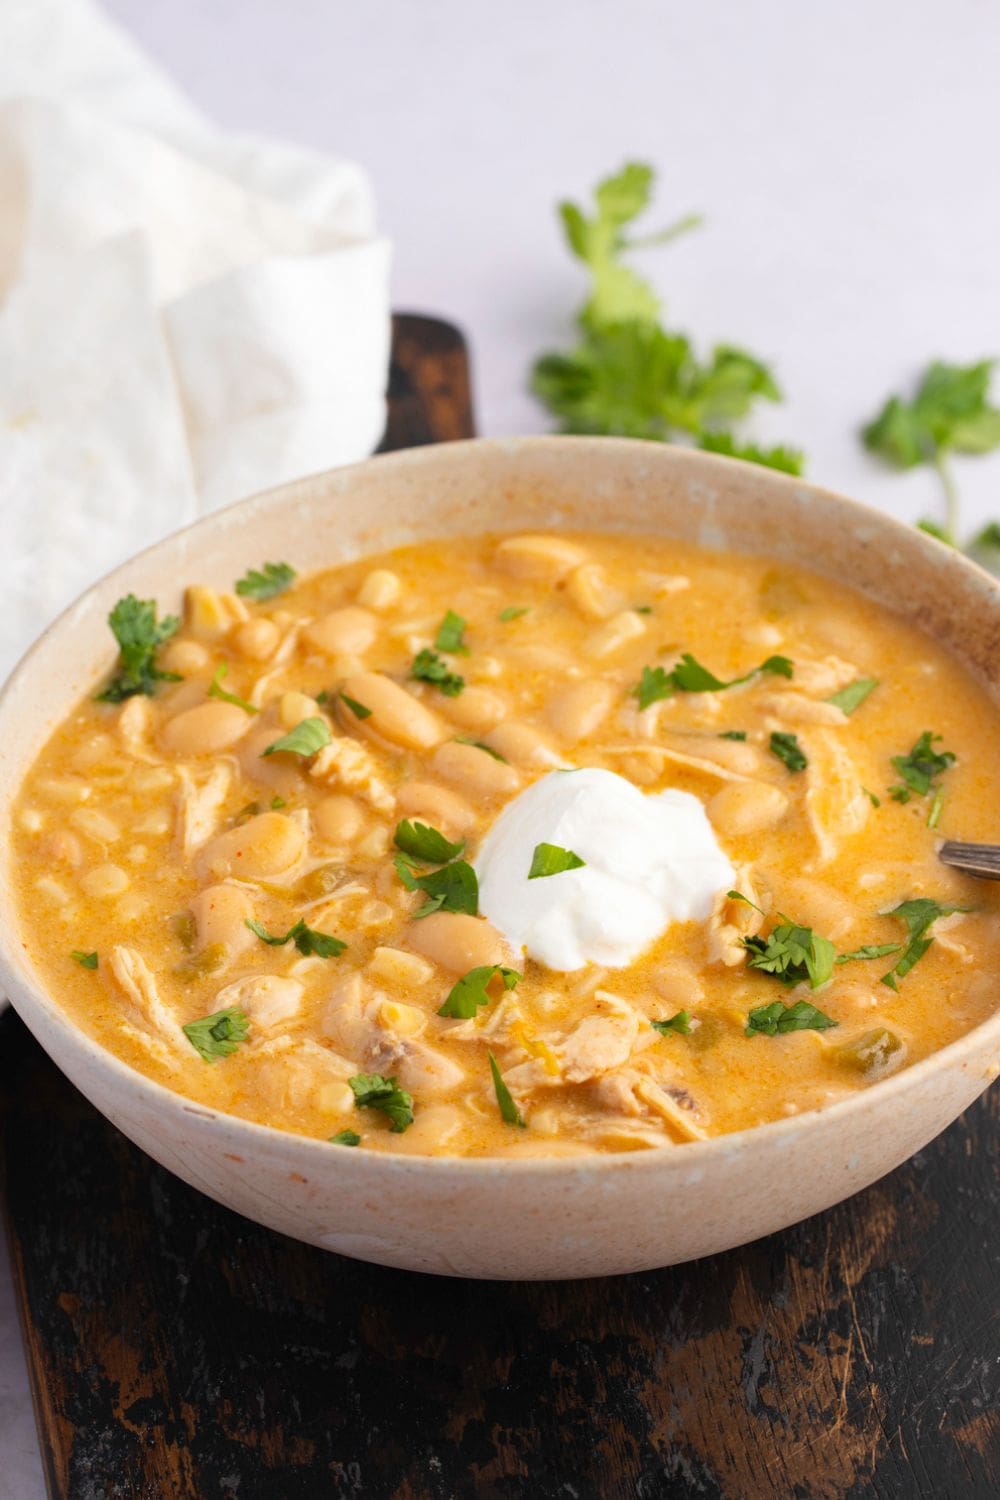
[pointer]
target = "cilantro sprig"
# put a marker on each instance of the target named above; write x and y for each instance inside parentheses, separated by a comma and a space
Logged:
(218, 1035)
(628, 374)
(427, 666)
(372, 1091)
(689, 676)
(473, 990)
(509, 1112)
(550, 859)
(306, 739)
(777, 1019)
(216, 690)
(306, 939)
(917, 916)
(454, 887)
(266, 582)
(920, 768)
(139, 635)
(950, 412)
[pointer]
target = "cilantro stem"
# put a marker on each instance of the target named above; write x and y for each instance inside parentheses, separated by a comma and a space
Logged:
(946, 475)
(673, 231)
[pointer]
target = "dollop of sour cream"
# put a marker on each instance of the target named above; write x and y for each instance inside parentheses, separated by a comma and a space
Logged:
(649, 860)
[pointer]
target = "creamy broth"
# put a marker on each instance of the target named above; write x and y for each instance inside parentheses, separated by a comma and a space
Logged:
(152, 831)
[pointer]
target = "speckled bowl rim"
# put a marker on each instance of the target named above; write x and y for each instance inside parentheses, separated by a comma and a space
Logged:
(696, 1153)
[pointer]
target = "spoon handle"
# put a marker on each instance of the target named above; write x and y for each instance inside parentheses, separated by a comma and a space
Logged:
(975, 859)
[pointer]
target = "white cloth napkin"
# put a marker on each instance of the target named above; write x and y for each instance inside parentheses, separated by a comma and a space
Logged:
(186, 316)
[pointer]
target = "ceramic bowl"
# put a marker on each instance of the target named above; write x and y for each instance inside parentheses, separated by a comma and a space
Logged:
(499, 1218)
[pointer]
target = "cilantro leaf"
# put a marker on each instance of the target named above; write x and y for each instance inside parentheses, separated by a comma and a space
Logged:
(733, 734)
(452, 888)
(509, 1112)
(777, 1019)
(786, 460)
(689, 676)
(950, 412)
(653, 685)
(427, 666)
(426, 843)
(513, 612)
(920, 768)
(357, 709)
(305, 739)
(372, 1091)
(870, 950)
(267, 582)
(792, 954)
(306, 939)
(680, 1023)
(918, 916)
(854, 694)
(464, 739)
(450, 633)
(217, 691)
(787, 748)
(472, 990)
(217, 1035)
(346, 1138)
(139, 635)
(85, 960)
(549, 859)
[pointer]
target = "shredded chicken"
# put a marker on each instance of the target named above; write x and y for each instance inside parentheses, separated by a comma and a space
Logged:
(837, 806)
(693, 762)
(135, 719)
(796, 708)
(346, 763)
(822, 678)
(199, 805)
(731, 921)
(599, 1043)
(268, 999)
(149, 1014)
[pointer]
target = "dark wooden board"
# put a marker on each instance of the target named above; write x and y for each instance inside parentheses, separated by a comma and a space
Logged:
(177, 1350)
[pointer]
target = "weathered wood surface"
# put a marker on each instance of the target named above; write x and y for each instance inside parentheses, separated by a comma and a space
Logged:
(179, 1351)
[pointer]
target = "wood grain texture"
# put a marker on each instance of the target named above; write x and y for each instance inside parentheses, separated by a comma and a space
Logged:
(177, 1350)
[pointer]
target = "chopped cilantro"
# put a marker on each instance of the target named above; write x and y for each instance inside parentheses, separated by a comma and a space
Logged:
(426, 843)
(139, 635)
(372, 1091)
(277, 803)
(513, 612)
(777, 1019)
(428, 667)
(917, 916)
(346, 1138)
(218, 1035)
(357, 709)
(306, 939)
(920, 768)
(787, 748)
(689, 676)
(854, 694)
(463, 739)
(680, 1023)
(450, 633)
(305, 739)
(792, 955)
(267, 582)
(217, 691)
(870, 950)
(85, 960)
(549, 859)
(452, 888)
(509, 1112)
(472, 990)
(733, 734)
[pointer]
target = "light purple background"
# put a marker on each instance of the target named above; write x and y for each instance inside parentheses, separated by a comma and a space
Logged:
(844, 156)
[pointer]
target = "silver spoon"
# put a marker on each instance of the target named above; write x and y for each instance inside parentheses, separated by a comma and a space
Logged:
(982, 860)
